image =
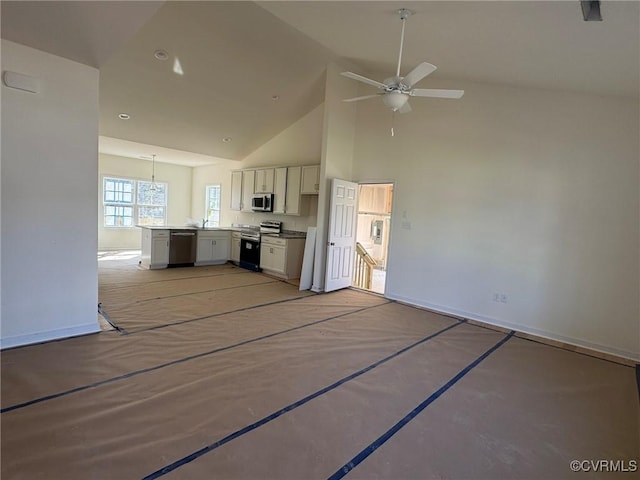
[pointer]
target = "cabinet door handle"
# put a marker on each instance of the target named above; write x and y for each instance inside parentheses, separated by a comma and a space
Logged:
(271, 250)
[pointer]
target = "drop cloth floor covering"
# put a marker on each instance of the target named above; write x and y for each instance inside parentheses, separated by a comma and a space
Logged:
(345, 384)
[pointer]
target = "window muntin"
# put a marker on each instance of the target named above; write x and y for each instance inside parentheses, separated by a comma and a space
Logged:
(130, 202)
(118, 191)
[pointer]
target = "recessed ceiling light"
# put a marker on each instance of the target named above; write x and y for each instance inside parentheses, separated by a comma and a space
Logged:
(161, 55)
(275, 98)
(124, 116)
(227, 139)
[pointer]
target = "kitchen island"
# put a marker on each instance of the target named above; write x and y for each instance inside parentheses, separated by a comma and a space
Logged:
(169, 246)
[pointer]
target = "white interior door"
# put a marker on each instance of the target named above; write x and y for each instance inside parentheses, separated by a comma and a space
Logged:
(342, 234)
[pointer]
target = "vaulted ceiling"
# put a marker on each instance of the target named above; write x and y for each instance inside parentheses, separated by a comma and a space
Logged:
(244, 71)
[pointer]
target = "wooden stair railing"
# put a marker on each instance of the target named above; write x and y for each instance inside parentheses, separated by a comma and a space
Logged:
(363, 271)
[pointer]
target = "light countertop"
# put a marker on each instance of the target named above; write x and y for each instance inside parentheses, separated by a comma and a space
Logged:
(285, 234)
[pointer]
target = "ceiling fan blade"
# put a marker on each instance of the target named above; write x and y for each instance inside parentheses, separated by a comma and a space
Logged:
(355, 99)
(360, 78)
(406, 108)
(434, 92)
(418, 73)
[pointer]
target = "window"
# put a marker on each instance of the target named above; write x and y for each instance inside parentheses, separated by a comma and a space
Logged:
(212, 206)
(118, 202)
(152, 203)
(124, 208)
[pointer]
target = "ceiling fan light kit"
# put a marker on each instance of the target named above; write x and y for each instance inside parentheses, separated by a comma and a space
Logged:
(397, 90)
(395, 100)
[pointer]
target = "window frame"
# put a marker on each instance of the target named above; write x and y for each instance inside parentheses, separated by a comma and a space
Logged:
(134, 205)
(207, 204)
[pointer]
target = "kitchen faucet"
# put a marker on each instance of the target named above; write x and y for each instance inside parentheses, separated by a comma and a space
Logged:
(204, 222)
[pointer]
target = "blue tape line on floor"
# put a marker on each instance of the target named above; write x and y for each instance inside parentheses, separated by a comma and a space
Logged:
(173, 362)
(189, 458)
(355, 461)
(219, 314)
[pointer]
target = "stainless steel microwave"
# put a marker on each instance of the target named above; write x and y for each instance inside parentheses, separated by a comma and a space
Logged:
(262, 203)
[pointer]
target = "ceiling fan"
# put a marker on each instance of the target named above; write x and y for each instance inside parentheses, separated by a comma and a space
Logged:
(397, 90)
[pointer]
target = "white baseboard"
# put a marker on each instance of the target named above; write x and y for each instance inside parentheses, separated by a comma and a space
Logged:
(634, 356)
(20, 340)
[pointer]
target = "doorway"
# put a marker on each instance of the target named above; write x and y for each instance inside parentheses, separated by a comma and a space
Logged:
(372, 236)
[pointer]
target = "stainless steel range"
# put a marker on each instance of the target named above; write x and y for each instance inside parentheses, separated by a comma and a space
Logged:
(250, 244)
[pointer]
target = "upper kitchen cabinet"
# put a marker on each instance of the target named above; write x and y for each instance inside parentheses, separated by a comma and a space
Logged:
(280, 190)
(287, 190)
(310, 184)
(236, 190)
(264, 180)
(248, 183)
(292, 204)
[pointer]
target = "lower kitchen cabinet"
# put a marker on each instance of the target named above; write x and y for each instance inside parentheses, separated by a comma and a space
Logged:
(281, 257)
(213, 247)
(155, 248)
(235, 247)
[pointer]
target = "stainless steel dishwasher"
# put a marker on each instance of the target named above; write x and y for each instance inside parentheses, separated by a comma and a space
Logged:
(182, 248)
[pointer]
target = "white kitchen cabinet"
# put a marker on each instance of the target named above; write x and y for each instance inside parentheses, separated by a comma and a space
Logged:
(248, 185)
(235, 247)
(273, 256)
(286, 199)
(264, 180)
(280, 190)
(292, 203)
(155, 248)
(310, 184)
(213, 247)
(281, 257)
(236, 190)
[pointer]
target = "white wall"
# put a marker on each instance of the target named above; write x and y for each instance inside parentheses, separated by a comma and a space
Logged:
(49, 196)
(529, 193)
(299, 144)
(338, 136)
(177, 177)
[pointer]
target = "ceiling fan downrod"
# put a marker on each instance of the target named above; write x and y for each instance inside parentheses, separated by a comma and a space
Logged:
(404, 14)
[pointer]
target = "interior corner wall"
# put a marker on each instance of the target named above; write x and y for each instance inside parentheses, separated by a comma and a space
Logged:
(218, 174)
(178, 179)
(338, 137)
(530, 194)
(49, 199)
(298, 144)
